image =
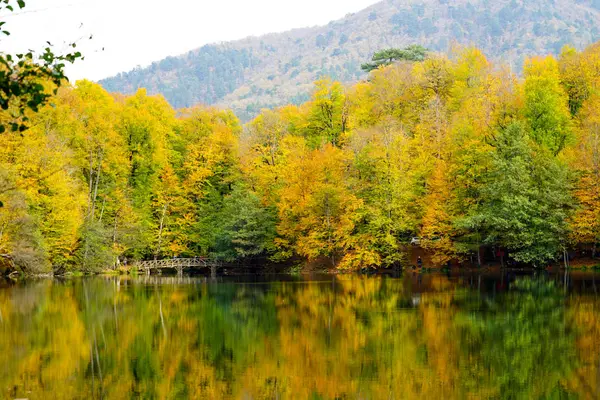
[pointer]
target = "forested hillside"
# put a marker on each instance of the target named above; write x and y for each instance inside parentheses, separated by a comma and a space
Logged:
(458, 152)
(277, 69)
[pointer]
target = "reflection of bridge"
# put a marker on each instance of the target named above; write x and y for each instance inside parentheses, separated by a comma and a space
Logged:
(178, 264)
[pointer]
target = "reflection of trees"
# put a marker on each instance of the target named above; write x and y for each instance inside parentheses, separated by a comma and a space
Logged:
(357, 337)
(519, 346)
(585, 312)
(167, 343)
(209, 336)
(351, 337)
(39, 353)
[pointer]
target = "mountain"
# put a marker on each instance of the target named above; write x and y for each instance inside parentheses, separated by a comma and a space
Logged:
(257, 72)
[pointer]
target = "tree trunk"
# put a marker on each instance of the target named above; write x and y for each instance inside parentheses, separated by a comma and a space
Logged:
(91, 181)
(95, 196)
(160, 231)
(102, 210)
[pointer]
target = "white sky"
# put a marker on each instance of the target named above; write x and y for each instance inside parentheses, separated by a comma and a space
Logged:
(137, 32)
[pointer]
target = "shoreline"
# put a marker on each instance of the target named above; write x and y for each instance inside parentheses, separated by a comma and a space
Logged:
(17, 276)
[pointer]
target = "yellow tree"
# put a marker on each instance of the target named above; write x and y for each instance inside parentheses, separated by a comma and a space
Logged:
(546, 104)
(169, 205)
(99, 149)
(263, 150)
(437, 228)
(328, 117)
(316, 208)
(382, 180)
(431, 131)
(585, 224)
(392, 93)
(209, 171)
(146, 124)
(91, 124)
(43, 202)
(579, 72)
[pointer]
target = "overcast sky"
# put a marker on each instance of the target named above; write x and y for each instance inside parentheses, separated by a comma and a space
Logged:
(137, 32)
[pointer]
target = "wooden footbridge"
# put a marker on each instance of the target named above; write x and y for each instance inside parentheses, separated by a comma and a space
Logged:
(178, 264)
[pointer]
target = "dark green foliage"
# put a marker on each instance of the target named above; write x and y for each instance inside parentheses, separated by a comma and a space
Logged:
(413, 53)
(525, 202)
(235, 226)
(247, 227)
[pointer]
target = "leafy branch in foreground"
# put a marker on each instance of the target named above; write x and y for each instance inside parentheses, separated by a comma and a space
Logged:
(22, 76)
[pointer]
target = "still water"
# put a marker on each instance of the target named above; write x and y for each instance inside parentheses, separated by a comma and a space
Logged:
(343, 337)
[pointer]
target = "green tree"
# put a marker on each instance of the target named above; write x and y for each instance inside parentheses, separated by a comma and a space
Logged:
(413, 53)
(524, 205)
(246, 228)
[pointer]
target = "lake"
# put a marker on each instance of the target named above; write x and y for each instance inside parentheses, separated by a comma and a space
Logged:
(431, 336)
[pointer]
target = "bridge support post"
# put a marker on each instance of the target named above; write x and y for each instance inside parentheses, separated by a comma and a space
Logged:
(179, 271)
(213, 271)
(147, 271)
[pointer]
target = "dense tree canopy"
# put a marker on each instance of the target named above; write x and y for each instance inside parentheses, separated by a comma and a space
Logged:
(453, 151)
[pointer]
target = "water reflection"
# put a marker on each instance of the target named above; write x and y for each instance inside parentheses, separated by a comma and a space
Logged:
(419, 336)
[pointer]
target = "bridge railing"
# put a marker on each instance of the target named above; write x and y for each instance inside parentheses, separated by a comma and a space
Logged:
(176, 263)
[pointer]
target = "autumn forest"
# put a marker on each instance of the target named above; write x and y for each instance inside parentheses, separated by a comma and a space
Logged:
(452, 152)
